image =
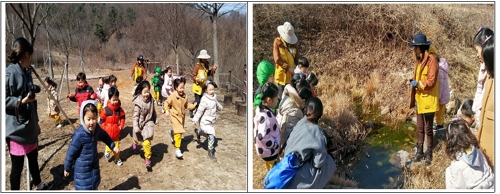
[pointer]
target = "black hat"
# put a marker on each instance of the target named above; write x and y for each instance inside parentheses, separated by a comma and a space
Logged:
(140, 57)
(420, 39)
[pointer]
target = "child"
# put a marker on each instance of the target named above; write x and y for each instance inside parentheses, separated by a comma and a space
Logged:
(478, 41)
(469, 168)
(137, 81)
(83, 91)
(155, 81)
(264, 73)
(177, 104)
(302, 67)
(113, 121)
(168, 86)
(160, 86)
(267, 130)
(112, 81)
(82, 150)
(98, 93)
(144, 119)
(206, 116)
(294, 87)
(290, 111)
(444, 89)
(468, 115)
(102, 96)
(52, 108)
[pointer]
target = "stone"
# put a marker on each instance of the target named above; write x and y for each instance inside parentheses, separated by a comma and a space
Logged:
(385, 110)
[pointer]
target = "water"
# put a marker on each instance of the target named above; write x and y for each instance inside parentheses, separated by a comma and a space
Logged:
(379, 165)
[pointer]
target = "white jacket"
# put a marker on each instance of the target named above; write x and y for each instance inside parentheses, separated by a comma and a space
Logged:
(207, 113)
(470, 171)
(103, 96)
(168, 86)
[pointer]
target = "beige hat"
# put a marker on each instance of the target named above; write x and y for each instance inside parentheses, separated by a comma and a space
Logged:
(287, 33)
(203, 55)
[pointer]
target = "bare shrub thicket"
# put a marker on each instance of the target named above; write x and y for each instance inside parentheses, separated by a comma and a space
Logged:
(362, 51)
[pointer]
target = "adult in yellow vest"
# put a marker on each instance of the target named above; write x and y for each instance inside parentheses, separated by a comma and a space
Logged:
(424, 94)
(200, 74)
(139, 69)
(285, 54)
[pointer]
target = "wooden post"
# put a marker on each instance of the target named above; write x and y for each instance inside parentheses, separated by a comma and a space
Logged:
(67, 79)
(228, 99)
(242, 109)
(229, 85)
(60, 83)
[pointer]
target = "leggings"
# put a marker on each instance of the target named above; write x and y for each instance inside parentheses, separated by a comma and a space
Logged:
(197, 99)
(17, 169)
(424, 128)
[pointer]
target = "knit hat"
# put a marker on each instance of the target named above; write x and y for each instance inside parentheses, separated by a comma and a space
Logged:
(158, 70)
(264, 70)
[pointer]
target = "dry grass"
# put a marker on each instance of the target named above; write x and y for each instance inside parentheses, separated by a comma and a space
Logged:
(360, 52)
(428, 177)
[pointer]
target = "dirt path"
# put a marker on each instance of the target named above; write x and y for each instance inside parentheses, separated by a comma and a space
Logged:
(195, 172)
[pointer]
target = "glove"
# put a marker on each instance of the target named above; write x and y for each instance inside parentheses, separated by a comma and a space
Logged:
(414, 83)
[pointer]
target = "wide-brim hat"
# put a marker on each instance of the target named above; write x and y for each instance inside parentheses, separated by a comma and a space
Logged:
(203, 55)
(420, 39)
(287, 32)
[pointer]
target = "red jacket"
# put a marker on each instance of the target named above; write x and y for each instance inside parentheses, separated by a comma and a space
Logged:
(112, 120)
(82, 93)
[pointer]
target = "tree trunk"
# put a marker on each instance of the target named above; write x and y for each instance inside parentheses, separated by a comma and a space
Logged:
(81, 60)
(216, 48)
(51, 70)
(177, 62)
(67, 79)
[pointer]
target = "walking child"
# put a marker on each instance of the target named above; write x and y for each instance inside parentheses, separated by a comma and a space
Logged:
(83, 91)
(155, 81)
(100, 85)
(144, 119)
(82, 150)
(175, 108)
(112, 81)
(113, 121)
(52, 109)
(168, 85)
(137, 81)
(267, 130)
(469, 168)
(206, 116)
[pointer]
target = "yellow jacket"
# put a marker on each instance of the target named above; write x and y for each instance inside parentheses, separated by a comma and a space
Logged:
(284, 58)
(426, 95)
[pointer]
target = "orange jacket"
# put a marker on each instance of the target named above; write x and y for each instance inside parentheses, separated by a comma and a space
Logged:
(113, 119)
(142, 72)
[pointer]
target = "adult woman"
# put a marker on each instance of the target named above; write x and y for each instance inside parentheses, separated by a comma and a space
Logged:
(285, 54)
(486, 134)
(139, 69)
(21, 117)
(309, 141)
(424, 94)
(200, 74)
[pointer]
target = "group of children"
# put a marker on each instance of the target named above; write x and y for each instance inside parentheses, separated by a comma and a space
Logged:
(102, 118)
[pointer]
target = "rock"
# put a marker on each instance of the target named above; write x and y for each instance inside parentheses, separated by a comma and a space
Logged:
(368, 124)
(414, 120)
(411, 129)
(404, 157)
(385, 110)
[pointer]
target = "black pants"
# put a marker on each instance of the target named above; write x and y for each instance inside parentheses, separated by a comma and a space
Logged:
(197, 99)
(424, 128)
(17, 169)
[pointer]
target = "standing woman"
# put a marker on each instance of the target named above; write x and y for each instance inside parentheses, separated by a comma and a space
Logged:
(424, 94)
(21, 119)
(486, 133)
(285, 54)
(200, 74)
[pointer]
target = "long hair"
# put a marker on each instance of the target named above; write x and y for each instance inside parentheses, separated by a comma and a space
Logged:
(314, 110)
(269, 90)
(459, 138)
(141, 86)
(51, 82)
(19, 47)
(489, 55)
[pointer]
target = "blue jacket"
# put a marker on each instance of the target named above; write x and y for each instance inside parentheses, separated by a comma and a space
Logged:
(83, 152)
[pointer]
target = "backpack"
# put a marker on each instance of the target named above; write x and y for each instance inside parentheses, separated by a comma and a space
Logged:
(282, 173)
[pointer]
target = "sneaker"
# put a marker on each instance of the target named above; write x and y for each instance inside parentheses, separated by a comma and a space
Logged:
(59, 126)
(211, 154)
(197, 134)
(171, 134)
(119, 162)
(178, 154)
(148, 163)
(44, 186)
(107, 155)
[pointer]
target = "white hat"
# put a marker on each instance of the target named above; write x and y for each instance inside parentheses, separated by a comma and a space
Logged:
(203, 55)
(287, 33)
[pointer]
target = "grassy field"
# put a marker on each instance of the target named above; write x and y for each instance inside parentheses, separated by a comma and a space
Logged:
(361, 56)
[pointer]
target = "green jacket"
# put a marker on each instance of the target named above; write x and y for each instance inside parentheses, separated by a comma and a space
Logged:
(154, 81)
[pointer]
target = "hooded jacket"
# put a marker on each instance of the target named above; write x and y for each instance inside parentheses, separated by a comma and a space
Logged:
(207, 112)
(470, 171)
(113, 119)
(309, 141)
(82, 93)
(83, 152)
(177, 105)
(289, 114)
(24, 130)
(144, 118)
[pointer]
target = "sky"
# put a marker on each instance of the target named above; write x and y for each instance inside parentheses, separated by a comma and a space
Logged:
(230, 6)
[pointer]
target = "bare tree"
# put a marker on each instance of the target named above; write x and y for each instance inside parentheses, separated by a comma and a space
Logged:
(32, 16)
(215, 11)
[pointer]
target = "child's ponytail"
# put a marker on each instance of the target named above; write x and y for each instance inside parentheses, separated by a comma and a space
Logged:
(269, 90)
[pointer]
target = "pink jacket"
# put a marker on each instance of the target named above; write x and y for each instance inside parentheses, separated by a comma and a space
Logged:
(168, 86)
(478, 97)
(444, 89)
(266, 134)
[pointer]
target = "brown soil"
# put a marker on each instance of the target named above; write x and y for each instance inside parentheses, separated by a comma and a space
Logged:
(195, 172)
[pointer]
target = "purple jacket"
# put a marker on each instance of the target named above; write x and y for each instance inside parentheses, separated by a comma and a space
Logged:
(266, 134)
(444, 89)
